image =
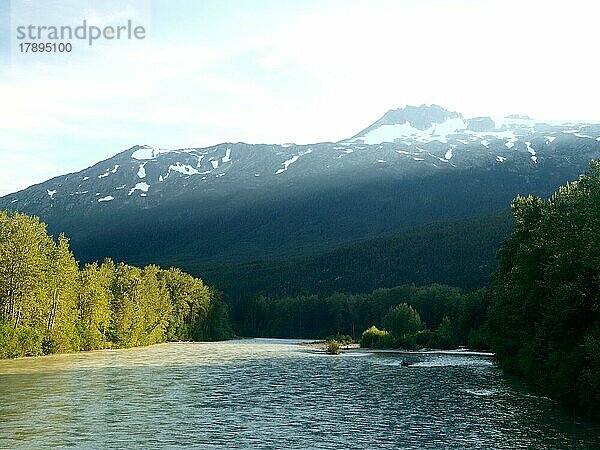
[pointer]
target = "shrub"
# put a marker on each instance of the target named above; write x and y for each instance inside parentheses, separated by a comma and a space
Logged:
(56, 342)
(87, 339)
(373, 337)
(23, 341)
(333, 347)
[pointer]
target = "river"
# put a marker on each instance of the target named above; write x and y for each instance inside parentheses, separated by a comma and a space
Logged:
(263, 393)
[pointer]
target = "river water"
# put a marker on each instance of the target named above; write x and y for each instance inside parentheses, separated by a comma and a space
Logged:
(263, 393)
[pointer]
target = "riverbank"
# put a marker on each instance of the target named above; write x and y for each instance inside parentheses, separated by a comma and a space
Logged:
(322, 345)
(457, 352)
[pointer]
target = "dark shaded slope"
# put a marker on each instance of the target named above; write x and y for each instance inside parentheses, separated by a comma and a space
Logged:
(459, 253)
(303, 220)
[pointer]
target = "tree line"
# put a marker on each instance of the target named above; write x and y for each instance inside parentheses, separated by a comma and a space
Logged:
(452, 316)
(48, 304)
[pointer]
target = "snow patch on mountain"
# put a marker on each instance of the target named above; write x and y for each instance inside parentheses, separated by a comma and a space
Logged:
(450, 126)
(147, 152)
(185, 169)
(292, 160)
(227, 157)
(532, 151)
(442, 132)
(287, 163)
(108, 198)
(143, 186)
(581, 134)
(391, 133)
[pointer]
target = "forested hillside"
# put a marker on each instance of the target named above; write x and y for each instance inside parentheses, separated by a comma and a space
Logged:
(305, 219)
(50, 305)
(545, 321)
(457, 253)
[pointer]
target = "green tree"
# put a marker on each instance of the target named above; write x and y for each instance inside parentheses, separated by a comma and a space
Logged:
(59, 300)
(191, 302)
(547, 306)
(93, 304)
(402, 320)
(24, 253)
(48, 304)
(373, 337)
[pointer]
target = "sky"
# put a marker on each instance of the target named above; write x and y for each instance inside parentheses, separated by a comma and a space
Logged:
(273, 71)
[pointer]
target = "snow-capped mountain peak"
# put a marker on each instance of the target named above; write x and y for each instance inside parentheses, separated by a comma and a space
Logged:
(410, 141)
(411, 122)
(413, 165)
(426, 124)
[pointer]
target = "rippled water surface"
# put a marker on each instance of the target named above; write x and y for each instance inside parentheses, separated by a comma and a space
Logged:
(274, 394)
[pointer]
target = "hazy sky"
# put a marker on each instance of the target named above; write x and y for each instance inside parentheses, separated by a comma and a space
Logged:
(273, 71)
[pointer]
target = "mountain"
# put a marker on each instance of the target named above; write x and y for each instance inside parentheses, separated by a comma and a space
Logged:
(458, 253)
(242, 202)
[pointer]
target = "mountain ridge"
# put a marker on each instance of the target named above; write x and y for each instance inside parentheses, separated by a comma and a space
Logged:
(421, 118)
(244, 201)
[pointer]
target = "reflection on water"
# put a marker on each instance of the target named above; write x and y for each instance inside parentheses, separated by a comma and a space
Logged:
(273, 394)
